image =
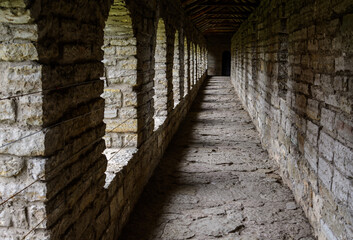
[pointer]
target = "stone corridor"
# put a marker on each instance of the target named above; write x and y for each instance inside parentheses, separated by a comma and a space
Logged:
(215, 181)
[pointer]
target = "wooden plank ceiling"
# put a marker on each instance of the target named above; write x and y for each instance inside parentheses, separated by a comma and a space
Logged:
(219, 16)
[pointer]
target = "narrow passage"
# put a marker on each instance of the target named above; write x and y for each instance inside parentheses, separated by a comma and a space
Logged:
(215, 180)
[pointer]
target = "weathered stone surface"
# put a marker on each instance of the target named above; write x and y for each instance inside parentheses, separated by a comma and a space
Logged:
(10, 166)
(216, 182)
(8, 111)
(14, 15)
(18, 52)
(318, 66)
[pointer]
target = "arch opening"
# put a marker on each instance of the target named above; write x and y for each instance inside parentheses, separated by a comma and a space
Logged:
(120, 75)
(160, 77)
(226, 63)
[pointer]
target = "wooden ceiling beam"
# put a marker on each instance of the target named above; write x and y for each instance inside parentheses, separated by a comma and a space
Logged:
(227, 18)
(197, 3)
(231, 14)
(187, 2)
(201, 12)
(221, 16)
(229, 4)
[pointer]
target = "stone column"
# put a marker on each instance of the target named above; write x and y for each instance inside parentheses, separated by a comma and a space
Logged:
(51, 138)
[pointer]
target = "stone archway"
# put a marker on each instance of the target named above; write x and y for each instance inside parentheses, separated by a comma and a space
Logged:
(160, 77)
(120, 63)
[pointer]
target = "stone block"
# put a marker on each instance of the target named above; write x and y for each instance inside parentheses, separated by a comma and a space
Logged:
(317, 93)
(108, 50)
(328, 119)
(25, 32)
(343, 158)
(121, 125)
(19, 218)
(30, 110)
(325, 173)
(130, 99)
(128, 112)
(302, 88)
(339, 64)
(332, 99)
(19, 79)
(23, 143)
(326, 146)
(5, 216)
(126, 51)
(36, 168)
(340, 186)
(18, 51)
(8, 111)
(313, 45)
(312, 133)
(308, 76)
(112, 96)
(313, 110)
(310, 154)
(300, 103)
(14, 15)
(127, 64)
(344, 128)
(13, 4)
(123, 42)
(36, 214)
(10, 166)
(110, 112)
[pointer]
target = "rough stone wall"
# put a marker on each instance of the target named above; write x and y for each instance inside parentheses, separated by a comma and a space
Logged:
(120, 75)
(292, 66)
(21, 116)
(51, 59)
(52, 178)
(216, 46)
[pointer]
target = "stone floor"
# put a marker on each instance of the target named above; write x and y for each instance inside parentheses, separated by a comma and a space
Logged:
(216, 182)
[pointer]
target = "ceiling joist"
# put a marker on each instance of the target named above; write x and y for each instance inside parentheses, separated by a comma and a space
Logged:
(217, 16)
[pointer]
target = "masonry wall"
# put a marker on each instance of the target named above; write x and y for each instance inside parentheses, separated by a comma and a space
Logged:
(57, 87)
(216, 46)
(292, 66)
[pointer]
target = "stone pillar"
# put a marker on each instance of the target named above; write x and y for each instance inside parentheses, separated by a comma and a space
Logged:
(22, 140)
(53, 127)
(120, 94)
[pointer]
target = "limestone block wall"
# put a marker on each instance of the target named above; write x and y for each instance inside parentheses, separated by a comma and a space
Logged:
(71, 71)
(22, 143)
(292, 66)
